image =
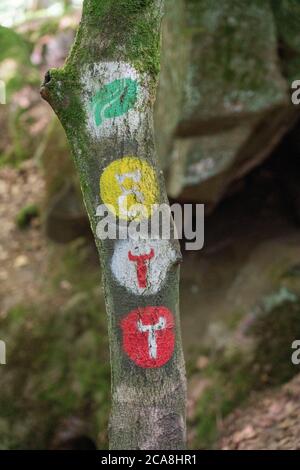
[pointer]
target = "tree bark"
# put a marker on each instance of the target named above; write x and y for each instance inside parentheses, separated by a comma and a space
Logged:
(104, 98)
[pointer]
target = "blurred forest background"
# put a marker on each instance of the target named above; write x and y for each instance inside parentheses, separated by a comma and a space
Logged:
(227, 136)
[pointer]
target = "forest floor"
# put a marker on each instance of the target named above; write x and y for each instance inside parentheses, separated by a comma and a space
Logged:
(53, 323)
(23, 253)
(270, 421)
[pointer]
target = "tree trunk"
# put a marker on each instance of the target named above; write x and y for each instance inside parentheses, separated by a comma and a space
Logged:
(104, 97)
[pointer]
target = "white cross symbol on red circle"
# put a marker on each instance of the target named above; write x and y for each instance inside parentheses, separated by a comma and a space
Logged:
(148, 336)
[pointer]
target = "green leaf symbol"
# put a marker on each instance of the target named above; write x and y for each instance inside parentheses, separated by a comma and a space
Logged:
(114, 99)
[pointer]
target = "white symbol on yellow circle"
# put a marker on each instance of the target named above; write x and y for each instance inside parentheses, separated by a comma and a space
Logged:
(129, 186)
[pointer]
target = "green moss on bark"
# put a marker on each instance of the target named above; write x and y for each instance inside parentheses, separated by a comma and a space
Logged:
(127, 30)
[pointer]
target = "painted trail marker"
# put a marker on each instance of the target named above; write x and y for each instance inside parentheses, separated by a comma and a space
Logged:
(151, 332)
(141, 266)
(114, 99)
(128, 182)
(148, 336)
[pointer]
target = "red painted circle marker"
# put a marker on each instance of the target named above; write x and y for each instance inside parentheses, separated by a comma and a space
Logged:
(148, 336)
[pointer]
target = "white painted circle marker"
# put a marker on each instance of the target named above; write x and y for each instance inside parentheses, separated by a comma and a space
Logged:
(141, 266)
(108, 115)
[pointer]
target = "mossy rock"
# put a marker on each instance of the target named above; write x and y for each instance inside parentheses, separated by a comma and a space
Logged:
(287, 16)
(260, 361)
(275, 328)
(220, 77)
(65, 216)
(234, 54)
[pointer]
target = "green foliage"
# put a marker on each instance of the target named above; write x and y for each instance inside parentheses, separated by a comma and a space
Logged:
(26, 214)
(50, 26)
(15, 48)
(13, 45)
(17, 72)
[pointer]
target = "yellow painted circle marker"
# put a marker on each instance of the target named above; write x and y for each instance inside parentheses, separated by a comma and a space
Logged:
(129, 186)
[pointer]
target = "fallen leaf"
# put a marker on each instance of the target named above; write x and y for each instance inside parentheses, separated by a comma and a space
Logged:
(245, 434)
(21, 261)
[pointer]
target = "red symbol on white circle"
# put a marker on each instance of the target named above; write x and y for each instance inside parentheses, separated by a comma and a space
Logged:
(148, 336)
(141, 266)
